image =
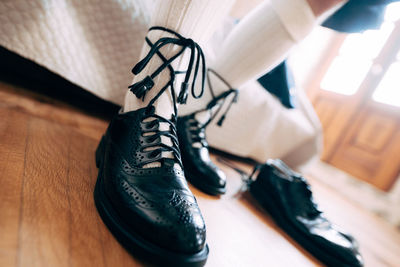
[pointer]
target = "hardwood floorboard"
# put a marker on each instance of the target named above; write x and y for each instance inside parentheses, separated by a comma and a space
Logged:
(13, 129)
(379, 241)
(48, 217)
(80, 184)
(46, 212)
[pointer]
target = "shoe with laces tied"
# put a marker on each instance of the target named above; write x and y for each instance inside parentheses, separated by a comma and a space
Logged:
(287, 197)
(150, 210)
(200, 170)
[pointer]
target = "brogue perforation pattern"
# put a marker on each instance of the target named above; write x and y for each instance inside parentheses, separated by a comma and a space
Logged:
(129, 170)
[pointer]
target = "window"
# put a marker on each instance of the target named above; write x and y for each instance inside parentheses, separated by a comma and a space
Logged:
(388, 90)
(356, 57)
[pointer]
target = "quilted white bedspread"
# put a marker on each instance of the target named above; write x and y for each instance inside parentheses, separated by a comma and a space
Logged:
(91, 43)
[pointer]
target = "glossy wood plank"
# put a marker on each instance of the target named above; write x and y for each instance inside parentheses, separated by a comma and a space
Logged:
(13, 138)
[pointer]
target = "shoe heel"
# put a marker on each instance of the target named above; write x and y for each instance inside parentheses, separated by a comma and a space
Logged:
(100, 152)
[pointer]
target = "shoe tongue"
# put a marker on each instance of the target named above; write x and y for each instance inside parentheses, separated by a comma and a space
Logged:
(197, 145)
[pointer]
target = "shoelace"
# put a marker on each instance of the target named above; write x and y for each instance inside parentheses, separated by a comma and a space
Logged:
(142, 87)
(303, 189)
(196, 57)
(198, 129)
(245, 177)
(152, 146)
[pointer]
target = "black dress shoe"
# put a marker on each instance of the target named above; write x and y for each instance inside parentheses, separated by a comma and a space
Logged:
(200, 170)
(151, 211)
(288, 199)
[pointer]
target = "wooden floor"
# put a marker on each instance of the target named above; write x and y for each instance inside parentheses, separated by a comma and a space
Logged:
(48, 218)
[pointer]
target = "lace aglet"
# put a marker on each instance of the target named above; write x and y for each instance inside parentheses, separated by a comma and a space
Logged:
(221, 120)
(140, 88)
(183, 94)
(235, 98)
(137, 68)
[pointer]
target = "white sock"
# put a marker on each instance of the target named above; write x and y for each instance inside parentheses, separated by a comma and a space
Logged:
(262, 39)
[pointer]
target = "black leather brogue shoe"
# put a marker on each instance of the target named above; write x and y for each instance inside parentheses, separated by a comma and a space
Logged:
(287, 197)
(150, 210)
(200, 170)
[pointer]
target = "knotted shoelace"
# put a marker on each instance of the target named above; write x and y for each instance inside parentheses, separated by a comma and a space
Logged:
(196, 58)
(140, 89)
(302, 188)
(197, 129)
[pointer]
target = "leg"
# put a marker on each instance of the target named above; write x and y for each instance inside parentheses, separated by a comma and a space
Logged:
(192, 19)
(141, 191)
(257, 44)
(261, 40)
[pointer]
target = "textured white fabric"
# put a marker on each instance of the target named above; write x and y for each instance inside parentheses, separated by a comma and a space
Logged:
(258, 126)
(260, 41)
(91, 43)
(297, 16)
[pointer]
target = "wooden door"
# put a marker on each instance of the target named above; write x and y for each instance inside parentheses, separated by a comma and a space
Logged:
(356, 94)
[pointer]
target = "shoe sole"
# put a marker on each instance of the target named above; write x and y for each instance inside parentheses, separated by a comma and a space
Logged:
(282, 221)
(133, 242)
